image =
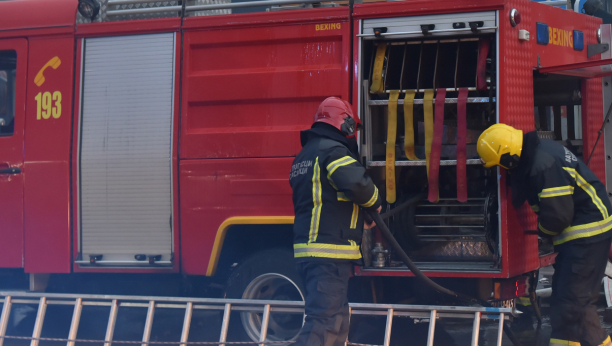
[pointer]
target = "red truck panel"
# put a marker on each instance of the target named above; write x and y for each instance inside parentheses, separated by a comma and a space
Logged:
(248, 90)
(249, 87)
(214, 190)
(519, 250)
(36, 14)
(47, 158)
(560, 52)
(423, 7)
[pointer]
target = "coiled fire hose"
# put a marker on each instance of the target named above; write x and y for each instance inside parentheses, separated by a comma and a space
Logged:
(379, 219)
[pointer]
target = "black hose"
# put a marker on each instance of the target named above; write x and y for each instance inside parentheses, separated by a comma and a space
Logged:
(511, 336)
(398, 249)
(414, 200)
(415, 270)
(536, 308)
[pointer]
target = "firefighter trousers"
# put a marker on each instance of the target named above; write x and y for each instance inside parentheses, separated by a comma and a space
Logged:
(579, 269)
(327, 310)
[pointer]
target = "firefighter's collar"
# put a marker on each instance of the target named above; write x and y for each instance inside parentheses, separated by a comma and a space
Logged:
(519, 174)
(322, 131)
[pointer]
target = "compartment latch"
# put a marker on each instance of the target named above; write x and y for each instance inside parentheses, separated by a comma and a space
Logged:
(426, 28)
(378, 31)
(154, 258)
(94, 258)
(475, 25)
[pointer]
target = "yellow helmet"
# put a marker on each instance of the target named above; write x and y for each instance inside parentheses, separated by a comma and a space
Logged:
(500, 145)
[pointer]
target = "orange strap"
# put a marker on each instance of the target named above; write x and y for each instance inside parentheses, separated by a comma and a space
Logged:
(436, 147)
(379, 60)
(391, 137)
(409, 125)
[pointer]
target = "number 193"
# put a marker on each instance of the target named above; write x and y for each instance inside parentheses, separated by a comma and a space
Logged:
(48, 105)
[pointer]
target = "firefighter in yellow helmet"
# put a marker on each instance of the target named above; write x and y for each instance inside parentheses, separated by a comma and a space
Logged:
(573, 208)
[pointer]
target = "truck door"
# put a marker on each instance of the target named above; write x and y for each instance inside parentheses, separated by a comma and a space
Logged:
(13, 58)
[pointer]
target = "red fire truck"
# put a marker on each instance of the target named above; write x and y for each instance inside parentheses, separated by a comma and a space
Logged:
(156, 137)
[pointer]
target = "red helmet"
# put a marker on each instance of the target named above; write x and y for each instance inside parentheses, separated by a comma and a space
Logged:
(339, 114)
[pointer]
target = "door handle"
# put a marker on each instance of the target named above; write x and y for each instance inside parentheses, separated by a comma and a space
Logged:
(10, 170)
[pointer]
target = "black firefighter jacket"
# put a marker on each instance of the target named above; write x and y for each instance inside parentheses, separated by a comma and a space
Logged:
(571, 203)
(329, 187)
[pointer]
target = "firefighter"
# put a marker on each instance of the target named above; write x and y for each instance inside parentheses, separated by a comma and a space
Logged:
(330, 189)
(572, 208)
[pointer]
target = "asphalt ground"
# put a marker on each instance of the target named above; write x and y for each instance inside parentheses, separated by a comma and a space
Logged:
(206, 326)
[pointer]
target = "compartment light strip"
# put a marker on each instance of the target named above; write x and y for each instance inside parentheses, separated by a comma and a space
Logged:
(420, 101)
(423, 163)
(423, 90)
(430, 32)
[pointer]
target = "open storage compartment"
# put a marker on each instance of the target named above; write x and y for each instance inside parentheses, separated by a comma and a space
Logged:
(448, 235)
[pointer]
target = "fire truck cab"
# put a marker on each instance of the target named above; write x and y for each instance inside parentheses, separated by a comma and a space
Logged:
(157, 137)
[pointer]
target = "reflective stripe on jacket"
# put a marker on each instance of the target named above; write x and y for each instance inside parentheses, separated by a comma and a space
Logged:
(330, 187)
(571, 202)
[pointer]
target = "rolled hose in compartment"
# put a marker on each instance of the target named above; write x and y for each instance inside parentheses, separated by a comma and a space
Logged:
(398, 249)
(378, 218)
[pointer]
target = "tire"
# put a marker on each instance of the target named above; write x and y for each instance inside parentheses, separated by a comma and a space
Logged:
(268, 275)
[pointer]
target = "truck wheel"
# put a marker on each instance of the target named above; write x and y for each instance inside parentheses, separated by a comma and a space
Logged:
(267, 275)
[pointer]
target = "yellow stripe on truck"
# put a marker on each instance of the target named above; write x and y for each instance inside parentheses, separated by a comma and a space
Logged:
(240, 220)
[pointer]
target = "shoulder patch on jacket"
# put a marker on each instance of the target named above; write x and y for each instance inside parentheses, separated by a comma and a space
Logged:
(569, 156)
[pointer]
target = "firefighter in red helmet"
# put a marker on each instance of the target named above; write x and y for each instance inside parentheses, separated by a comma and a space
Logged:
(330, 187)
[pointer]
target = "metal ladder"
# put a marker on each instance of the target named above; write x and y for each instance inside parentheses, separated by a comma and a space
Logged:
(264, 307)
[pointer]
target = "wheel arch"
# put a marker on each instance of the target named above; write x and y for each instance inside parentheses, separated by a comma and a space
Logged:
(239, 237)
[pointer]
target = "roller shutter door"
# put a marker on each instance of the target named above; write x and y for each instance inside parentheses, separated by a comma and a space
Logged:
(125, 149)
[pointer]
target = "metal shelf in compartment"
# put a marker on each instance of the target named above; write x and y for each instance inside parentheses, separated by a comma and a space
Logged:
(420, 101)
(422, 163)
